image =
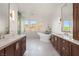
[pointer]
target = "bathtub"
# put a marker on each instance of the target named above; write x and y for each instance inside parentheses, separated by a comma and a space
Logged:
(44, 37)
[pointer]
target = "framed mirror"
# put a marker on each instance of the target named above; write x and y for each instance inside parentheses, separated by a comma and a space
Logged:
(67, 17)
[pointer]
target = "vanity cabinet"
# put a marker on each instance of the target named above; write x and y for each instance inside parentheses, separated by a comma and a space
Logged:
(62, 46)
(2, 52)
(76, 21)
(15, 49)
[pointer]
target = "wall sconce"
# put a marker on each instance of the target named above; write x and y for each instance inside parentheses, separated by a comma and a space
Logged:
(60, 20)
(12, 15)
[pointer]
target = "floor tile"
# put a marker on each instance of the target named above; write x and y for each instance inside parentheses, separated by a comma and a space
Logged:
(35, 47)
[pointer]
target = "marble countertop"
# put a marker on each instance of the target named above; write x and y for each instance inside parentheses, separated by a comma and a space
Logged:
(65, 37)
(9, 39)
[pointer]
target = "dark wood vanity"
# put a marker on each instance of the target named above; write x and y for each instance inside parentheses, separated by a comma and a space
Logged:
(16, 49)
(64, 47)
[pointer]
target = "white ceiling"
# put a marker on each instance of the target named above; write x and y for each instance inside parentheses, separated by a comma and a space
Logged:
(38, 9)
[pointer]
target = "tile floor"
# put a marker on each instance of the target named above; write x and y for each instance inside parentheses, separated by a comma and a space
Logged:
(35, 47)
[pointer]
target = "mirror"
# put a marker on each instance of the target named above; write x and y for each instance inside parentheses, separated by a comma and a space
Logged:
(4, 18)
(67, 17)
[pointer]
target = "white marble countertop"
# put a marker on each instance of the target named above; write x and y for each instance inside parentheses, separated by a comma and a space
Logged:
(65, 37)
(9, 39)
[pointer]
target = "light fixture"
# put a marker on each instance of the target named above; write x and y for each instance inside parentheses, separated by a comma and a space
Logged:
(12, 15)
(59, 20)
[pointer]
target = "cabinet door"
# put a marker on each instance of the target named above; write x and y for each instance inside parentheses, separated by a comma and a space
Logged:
(23, 45)
(18, 47)
(76, 21)
(74, 50)
(52, 40)
(59, 45)
(2, 52)
(65, 51)
(9, 51)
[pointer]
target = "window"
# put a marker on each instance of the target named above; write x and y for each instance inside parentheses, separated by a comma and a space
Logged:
(67, 25)
(67, 18)
(32, 25)
(29, 22)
